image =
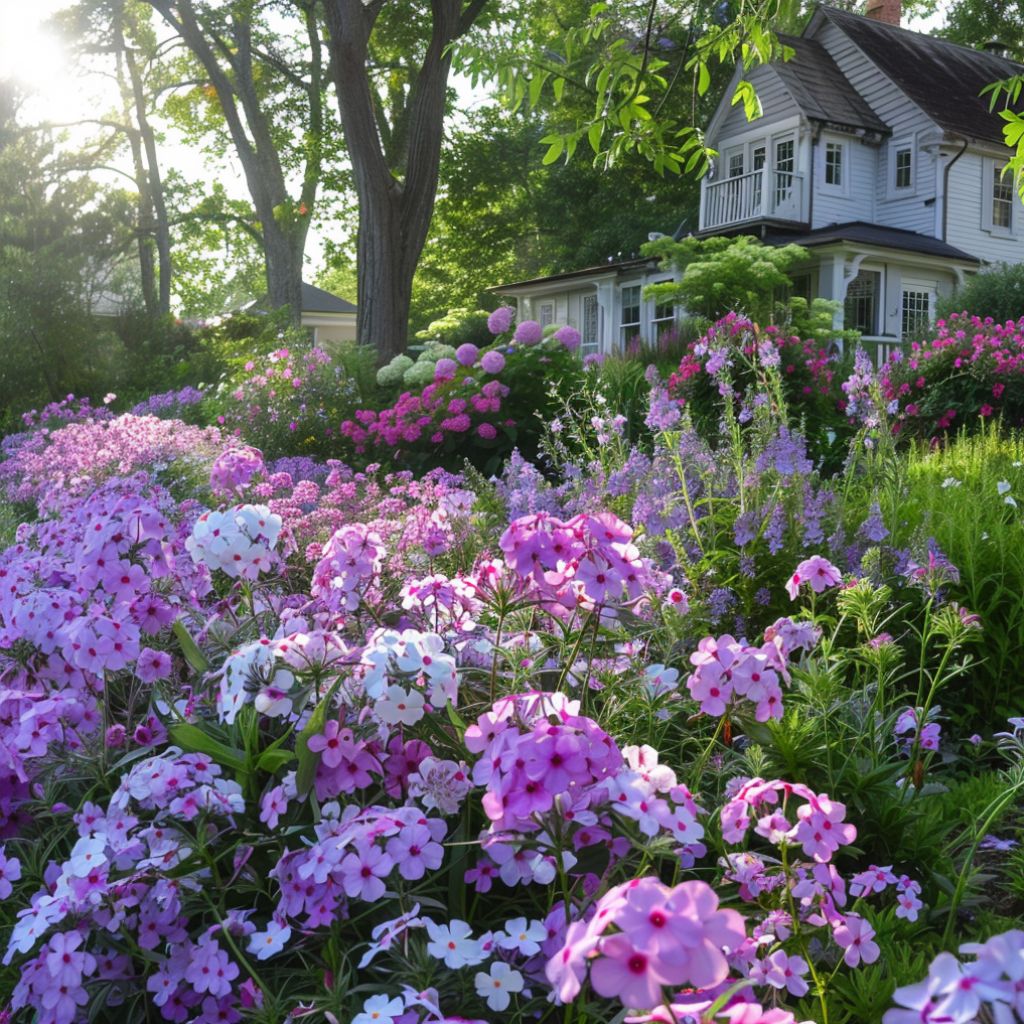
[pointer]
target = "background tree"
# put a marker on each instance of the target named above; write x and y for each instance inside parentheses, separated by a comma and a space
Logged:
(266, 79)
(61, 235)
(115, 38)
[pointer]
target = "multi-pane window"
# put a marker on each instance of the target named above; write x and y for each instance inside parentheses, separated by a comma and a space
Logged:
(860, 310)
(630, 323)
(785, 164)
(589, 341)
(915, 315)
(834, 164)
(735, 164)
(1002, 199)
(664, 320)
(904, 164)
(547, 313)
(757, 160)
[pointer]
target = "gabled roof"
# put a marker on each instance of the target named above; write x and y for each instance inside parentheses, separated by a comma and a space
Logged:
(820, 89)
(942, 78)
(316, 300)
(878, 235)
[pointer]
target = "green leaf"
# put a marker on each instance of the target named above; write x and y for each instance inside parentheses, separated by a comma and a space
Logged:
(703, 78)
(594, 136)
(192, 739)
(272, 760)
(554, 151)
(190, 649)
(537, 87)
(455, 719)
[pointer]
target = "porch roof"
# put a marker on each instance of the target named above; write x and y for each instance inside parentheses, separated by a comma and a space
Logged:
(860, 232)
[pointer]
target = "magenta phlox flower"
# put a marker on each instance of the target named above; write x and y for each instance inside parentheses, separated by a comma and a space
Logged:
(855, 936)
(210, 970)
(662, 937)
(818, 572)
(234, 469)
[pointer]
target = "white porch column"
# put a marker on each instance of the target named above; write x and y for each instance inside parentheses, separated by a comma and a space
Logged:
(606, 306)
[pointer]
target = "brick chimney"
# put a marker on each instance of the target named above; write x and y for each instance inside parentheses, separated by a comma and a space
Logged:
(889, 11)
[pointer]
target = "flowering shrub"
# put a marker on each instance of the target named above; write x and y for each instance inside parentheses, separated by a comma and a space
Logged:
(972, 368)
(735, 352)
(288, 402)
(471, 404)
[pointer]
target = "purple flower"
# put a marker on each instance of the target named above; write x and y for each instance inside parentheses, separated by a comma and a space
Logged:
(492, 362)
(500, 320)
(569, 337)
(444, 369)
(467, 354)
(529, 332)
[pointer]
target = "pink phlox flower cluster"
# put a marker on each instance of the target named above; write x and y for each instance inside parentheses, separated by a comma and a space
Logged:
(875, 880)
(233, 470)
(442, 604)
(349, 565)
(957, 991)
(740, 1008)
(817, 572)
(239, 541)
(347, 762)
(589, 561)
(819, 828)
(55, 469)
(355, 852)
(112, 881)
(727, 671)
(662, 937)
(528, 760)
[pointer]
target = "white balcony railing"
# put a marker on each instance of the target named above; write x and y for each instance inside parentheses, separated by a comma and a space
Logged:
(747, 197)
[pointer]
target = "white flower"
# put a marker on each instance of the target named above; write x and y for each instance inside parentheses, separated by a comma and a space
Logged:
(266, 944)
(400, 705)
(951, 481)
(523, 936)
(1003, 487)
(454, 945)
(86, 855)
(1008, 500)
(380, 1010)
(498, 986)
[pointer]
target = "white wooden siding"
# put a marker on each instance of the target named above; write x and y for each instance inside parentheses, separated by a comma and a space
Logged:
(905, 118)
(776, 103)
(858, 202)
(967, 196)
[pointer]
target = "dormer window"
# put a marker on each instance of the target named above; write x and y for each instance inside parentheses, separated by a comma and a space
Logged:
(904, 163)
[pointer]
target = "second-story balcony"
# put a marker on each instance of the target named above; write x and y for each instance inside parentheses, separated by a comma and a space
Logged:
(763, 194)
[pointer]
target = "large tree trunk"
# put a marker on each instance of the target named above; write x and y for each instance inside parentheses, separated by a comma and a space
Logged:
(396, 196)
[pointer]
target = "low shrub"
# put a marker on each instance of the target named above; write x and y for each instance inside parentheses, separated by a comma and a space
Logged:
(470, 403)
(996, 292)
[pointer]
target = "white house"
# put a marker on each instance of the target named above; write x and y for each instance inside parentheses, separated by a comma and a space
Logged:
(874, 151)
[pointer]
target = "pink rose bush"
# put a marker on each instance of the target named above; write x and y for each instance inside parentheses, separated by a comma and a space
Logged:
(278, 744)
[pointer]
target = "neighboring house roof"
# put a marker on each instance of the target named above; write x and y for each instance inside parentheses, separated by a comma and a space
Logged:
(820, 89)
(316, 300)
(942, 78)
(620, 266)
(875, 234)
